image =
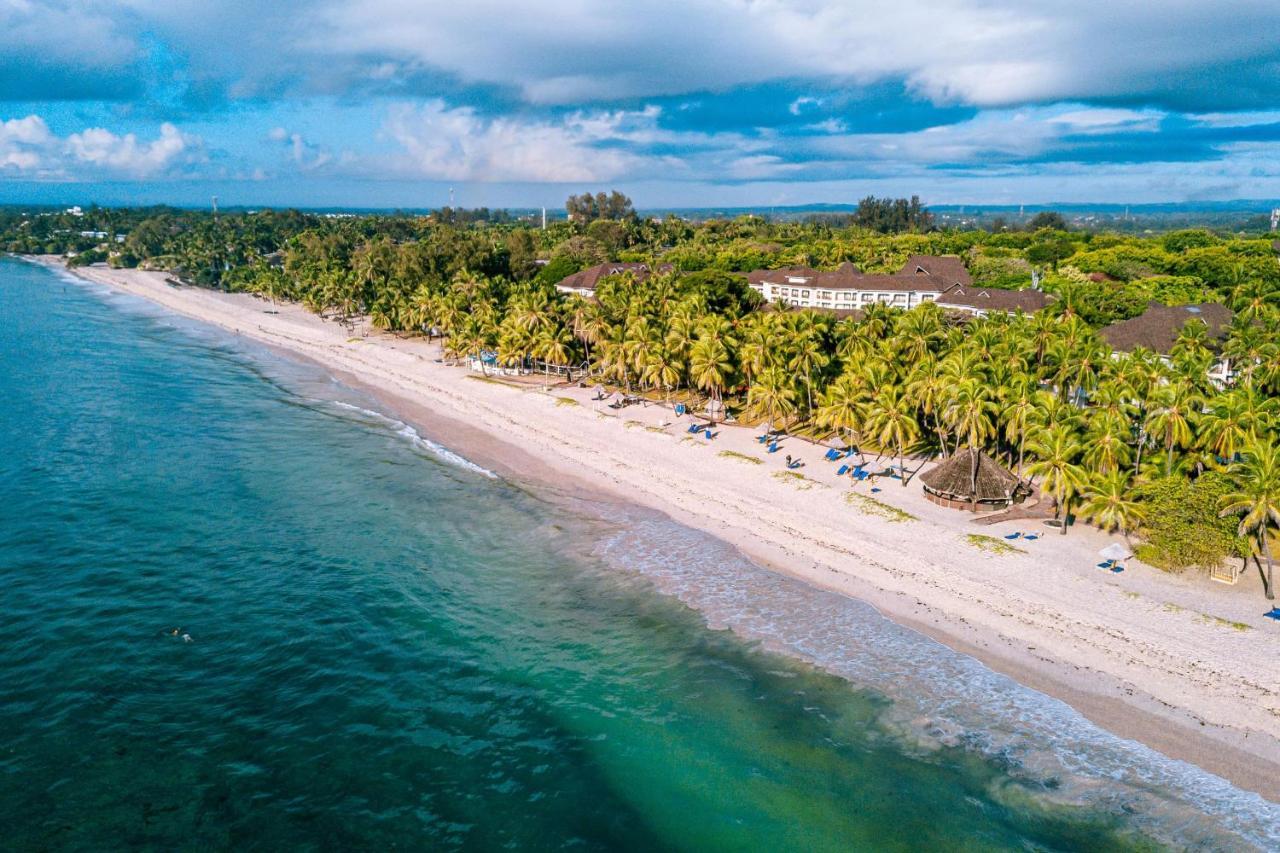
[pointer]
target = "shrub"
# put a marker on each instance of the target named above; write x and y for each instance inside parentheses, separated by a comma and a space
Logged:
(1183, 526)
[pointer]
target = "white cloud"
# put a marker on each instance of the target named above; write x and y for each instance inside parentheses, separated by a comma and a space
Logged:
(982, 52)
(460, 144)
(29, 149)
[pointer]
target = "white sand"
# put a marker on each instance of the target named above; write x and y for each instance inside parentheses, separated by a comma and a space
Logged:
(1145, 654)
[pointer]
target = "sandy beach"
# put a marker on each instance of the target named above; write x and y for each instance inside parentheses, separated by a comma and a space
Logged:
(1182, 664)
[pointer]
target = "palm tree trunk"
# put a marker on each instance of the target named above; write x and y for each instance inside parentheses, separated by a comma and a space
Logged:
(1266, 551)
(973, 480)
(1066, 513)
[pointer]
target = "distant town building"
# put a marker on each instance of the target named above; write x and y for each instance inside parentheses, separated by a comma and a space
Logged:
(1157, 329)
(923, 278)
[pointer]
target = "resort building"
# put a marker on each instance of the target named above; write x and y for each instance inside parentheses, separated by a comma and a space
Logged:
(1157, 329)
(584, 282)
(923, 278)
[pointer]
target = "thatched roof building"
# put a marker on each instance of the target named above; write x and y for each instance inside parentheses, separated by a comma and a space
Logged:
(951, 482)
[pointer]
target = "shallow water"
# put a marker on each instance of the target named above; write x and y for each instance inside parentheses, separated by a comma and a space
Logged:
(391, 646)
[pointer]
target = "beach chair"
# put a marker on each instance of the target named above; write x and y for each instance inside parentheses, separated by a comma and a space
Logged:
(875, 489)
(761, 439)
(844, 469)
(832, 455)
(693, 428)
(1273, 613)
(711, 435)
(1106, 564)
(773, 448)
(680, 410)
(1014, 536)
(1031, 536)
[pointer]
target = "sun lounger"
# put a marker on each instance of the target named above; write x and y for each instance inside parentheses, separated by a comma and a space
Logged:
(844, 469)
(1273, 613)
(832, 455)
(1106, 564)
(773, 448)
(875, 489)
(680, 410)
(762, 438)
(1014, 536)
(1031, 536)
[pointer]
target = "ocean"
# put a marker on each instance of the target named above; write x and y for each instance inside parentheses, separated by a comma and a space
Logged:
(247, 606)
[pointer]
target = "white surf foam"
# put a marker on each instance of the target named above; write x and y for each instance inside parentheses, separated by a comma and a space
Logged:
(406, 431)
(941, 698)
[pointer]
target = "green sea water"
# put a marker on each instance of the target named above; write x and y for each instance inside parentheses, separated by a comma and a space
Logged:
(389, 647)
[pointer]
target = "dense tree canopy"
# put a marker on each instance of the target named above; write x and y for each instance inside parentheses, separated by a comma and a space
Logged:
(1136, 443)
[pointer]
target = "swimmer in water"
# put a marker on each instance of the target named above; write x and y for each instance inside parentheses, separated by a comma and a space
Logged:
(186, 638)
(175, 632)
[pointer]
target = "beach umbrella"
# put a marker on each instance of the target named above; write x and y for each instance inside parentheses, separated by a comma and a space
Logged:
(1115, 551)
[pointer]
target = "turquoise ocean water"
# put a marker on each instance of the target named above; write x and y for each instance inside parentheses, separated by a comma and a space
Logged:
(392, 647)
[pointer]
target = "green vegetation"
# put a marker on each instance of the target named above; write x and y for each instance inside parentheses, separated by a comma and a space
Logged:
(991, 544)
(741, 457)
(800, 481)
(1183, 526)
(566, 401)
(1142, 444)
(871, 506)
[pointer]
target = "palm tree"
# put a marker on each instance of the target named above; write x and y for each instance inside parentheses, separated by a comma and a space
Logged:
(807, 357)
(1056, 451)
(841, 407)
(1172, 421)
(1018, 414)
(1106, 446)
(1109, 503)
(891, 422)
(710, 368)
(771, 396)
(970, 413)
(1257, 499)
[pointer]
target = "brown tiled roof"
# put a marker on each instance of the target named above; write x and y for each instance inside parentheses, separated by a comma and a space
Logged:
(946, 267)
(1158, 327)
(993, 299)
(776, 276)
(936, 275)
(589, 278)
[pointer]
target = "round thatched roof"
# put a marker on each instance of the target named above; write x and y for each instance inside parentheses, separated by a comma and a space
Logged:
(953, 478)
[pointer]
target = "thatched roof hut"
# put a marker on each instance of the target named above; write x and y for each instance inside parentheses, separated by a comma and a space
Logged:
(951, 482)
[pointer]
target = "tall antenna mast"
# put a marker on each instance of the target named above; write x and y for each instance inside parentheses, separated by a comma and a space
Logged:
(451, 196)
(215, 207)
(544, 219)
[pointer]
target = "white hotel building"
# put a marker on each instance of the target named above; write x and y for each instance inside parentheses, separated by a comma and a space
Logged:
(924, 278)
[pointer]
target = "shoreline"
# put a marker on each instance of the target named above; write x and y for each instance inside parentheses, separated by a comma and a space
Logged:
(1211, 691)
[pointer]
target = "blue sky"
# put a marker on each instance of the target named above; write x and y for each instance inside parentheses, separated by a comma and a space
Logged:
(385, 103)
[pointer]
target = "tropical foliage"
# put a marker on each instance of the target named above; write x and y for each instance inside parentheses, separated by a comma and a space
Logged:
(1136, 443)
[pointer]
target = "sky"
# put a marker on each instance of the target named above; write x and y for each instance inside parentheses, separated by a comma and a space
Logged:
(680, 103)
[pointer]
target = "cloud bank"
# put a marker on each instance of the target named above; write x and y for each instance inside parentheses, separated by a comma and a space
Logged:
(587, 91)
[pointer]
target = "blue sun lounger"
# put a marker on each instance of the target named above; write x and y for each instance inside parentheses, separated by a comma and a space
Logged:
(832, 455)
(844, 469)
(709, 435)
(695, 428)
(680, 409)
(1031, 536)
(773, 448)
(1273, 613)
(1014, 536)
(762, 438)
